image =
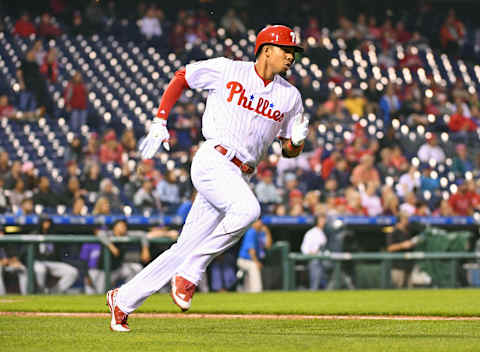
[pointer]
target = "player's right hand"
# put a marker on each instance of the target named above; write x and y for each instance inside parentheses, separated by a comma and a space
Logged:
(158, 134)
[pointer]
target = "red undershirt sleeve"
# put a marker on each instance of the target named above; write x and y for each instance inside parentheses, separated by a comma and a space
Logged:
(173, 92)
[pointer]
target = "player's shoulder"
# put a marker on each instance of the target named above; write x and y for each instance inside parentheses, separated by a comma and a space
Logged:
(282, 82)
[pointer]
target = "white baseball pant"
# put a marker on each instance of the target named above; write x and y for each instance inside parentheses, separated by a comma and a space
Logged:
(126, 271)
(253, 275)
(222, 211)
(66, 273)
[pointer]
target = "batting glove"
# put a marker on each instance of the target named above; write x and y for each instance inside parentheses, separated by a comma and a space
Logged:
(299, 130)
(158, 134)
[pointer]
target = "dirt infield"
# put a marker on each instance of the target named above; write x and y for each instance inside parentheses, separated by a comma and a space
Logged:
(242, 316)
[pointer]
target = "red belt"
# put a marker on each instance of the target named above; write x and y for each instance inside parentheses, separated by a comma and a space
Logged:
(242, 166)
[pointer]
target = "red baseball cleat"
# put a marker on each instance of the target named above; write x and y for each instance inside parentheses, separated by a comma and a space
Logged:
(182, 292)
(119, 318)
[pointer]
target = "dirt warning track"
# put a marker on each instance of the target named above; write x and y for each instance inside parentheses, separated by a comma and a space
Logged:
(242, 316)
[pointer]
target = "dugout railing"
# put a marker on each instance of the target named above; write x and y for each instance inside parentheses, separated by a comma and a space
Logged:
(31, 240)
(279, 256)
(384, 260)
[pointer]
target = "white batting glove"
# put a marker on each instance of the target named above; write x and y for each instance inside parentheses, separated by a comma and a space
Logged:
(158, 134)
(299, 130)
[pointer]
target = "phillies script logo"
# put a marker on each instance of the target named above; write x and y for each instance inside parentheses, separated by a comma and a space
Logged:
(264, 107)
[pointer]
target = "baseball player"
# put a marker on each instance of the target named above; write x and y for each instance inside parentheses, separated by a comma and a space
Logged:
(249, 104)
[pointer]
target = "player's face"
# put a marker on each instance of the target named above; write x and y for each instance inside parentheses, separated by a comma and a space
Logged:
(281, 58)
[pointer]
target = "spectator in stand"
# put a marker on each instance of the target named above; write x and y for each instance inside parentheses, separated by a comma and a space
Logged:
(427, 181)
(109, 191)
(389, 104)
(46, 28)
(408, 182)
(167, 193)
(402, 36)
(411, 60)
(365, 172)
(33, 87)
(462, 125)
(13, 175)
(409, 206)
(346, 32)
(374, 31)
(74, 151)
(129, 142)
(341, 173)
(92, 178)
(17, 194)
(355, 102)
(150, 26)
(28, 176)
(385, 166)
(267, 193)
(9, 111)
(314, 241)
(461, 164)
(47, 261)
(144, 199)
(176, 39)
(95, 16)
(400, 241)
(24, 27)
(444, 209)
(45, 195)
(5, 164)
(49, 66)
(431, 150)
(460, 201)
(354, 202)
(73, 170)
(111, 150)
(78, 25)
(370, 200)
(252, 253)
(313, 30)
(232, 23)
(72, 191)
(76, 101)
(79, 207)
(389, 201)
(354, 152)
(26, 207)
(92, 150)
(328, 164)
(452, 34)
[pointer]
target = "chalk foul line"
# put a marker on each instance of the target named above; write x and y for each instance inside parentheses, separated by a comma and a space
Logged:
(243, 316)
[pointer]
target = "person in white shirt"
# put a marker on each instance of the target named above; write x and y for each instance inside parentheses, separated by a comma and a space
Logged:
(431, 150)
(370, 200)
(313, 242)
(410, 205)
(408, 181)
(150, 25)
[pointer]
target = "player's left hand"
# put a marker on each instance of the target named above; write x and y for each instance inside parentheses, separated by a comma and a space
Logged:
(299, 130)
(158, 134)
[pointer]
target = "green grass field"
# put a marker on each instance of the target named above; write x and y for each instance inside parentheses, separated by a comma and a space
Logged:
(21, 333)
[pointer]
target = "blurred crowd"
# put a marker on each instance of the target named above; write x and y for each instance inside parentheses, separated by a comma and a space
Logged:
(357, 173)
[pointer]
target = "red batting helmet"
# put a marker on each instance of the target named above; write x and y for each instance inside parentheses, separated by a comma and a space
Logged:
(277, 35)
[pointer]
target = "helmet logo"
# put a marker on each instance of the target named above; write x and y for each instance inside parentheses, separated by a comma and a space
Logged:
(293, 37)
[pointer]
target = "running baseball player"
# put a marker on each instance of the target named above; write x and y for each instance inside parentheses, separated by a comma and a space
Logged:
(249, 104)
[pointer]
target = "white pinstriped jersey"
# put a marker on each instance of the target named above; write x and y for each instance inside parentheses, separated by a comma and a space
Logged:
(241, 112)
